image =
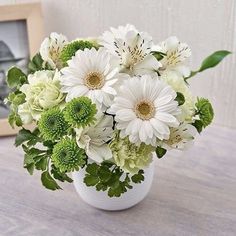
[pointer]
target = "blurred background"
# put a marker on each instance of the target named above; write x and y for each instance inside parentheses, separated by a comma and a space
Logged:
(206, 26)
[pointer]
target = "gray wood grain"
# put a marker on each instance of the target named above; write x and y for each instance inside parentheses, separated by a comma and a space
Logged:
(194, 193)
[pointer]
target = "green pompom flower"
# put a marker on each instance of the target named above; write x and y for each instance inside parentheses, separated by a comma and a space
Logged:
(80, 112)
(67, 156)
(205, 111)
(70, 49)
(52, 124)
(130, 157)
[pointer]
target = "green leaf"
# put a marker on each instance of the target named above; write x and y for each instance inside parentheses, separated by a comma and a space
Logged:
(104, 173)
(160, 152)
(14, 119)
(42, 163)
(198, 125)
(18, 99)
(15, 77)
(139, 177)
(92, 169)
(180, 98)
(30, 168)
(90, 180)
(48, 181)
(213, 60)
(158, 55)
(37, 64)
(57, 174)
(23, 136)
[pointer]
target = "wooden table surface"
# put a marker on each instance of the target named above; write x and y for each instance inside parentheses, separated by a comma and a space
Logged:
(194, 193)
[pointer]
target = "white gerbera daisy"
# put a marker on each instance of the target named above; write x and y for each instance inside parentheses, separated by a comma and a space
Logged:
(181, 137)
(176, 81)
(89, 73)
(145, 109)
(132, 49)
(176, 55)
(51, 48)
(94, 139)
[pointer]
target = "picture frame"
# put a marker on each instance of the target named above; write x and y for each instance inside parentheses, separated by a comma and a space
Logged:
(28, 16)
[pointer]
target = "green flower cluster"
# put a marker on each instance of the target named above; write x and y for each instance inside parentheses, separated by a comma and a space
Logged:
(130, 157)
(52, 124)
(70, 49)
(80, 112)
(205, 112)
(67, 156)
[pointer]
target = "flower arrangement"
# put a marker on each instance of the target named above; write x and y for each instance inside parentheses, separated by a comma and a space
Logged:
(108, 106)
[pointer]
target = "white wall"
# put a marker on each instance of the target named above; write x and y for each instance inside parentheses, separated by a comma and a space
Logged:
(206, 25)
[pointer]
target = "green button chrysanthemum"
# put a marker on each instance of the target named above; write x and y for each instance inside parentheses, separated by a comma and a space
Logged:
(205, 111)
(52, 124)
(80, 112)
(70, 49)
(67, 156)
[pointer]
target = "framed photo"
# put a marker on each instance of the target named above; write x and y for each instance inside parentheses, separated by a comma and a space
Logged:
(21, 33)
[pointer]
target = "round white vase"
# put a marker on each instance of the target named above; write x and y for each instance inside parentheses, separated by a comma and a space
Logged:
(101, 200)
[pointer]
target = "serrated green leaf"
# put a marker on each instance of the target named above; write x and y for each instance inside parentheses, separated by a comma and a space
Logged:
(101, 187)
(104, 173)
(23, 136)
(48, 182)
(92, 169)
(90, 180)
(37, 64)
(15, 77)
(160, 152)
(18, 99)
(180, 98)
(138, 178)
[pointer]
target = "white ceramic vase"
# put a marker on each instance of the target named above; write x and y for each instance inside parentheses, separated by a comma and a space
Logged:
(101, 200)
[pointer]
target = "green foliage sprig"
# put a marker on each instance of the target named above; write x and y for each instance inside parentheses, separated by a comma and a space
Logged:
(39, 159)
(109, 177)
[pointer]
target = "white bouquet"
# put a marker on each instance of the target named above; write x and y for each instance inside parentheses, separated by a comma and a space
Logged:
(108, 105)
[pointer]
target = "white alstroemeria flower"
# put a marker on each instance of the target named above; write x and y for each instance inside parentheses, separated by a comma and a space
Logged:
(94, 139)
(89, 73)
(145, 109)
(51, 48)
(176, 55)
(132, 49)
(181, 137)
(176, 81)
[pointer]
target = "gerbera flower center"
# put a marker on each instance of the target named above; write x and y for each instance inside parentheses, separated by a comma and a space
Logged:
(94, 80)
(145, 110)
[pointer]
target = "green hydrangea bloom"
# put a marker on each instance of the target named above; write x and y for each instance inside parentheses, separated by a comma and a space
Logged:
(130, 157)
(80, 112)
(205, 111)
(67, 156)
(70, 49)
(52, 124)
